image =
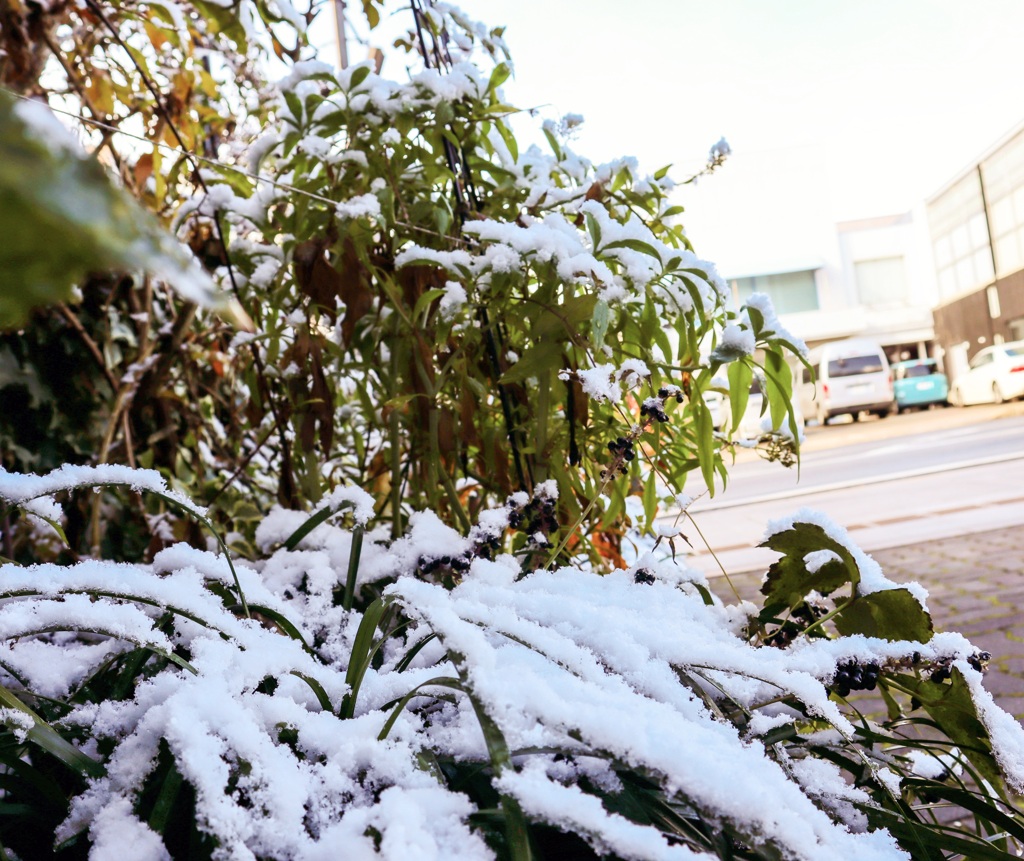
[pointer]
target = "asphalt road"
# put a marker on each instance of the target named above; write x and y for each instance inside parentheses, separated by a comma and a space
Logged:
(877, 450)
(890, 482)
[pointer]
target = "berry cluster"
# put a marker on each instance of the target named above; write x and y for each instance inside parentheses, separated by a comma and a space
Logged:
(453, 564)
(538, 515)
(853, 677)
(655, 409)
(643, 576)
(800, 618)
(978, 661)
(624, 452)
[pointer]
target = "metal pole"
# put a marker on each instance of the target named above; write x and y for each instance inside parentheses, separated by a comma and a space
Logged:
(339, 19)
(992, 251)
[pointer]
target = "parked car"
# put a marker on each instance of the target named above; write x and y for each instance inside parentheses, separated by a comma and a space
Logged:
(757, 420)
(850, 377)
(996, 374)
(918, 383)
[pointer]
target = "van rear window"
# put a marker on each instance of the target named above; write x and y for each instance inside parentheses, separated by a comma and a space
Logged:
(922, 370)
(854, 365)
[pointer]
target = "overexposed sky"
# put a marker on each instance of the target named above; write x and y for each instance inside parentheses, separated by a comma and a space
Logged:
(900, 94)
(868, 106)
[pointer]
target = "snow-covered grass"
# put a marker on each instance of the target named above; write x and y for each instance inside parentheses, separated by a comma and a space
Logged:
(633, 710)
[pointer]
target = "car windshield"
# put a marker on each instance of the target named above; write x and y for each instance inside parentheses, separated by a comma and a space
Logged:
(922, 370)
(853, 365)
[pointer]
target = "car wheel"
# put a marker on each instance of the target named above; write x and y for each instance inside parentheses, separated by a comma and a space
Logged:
(997, 394)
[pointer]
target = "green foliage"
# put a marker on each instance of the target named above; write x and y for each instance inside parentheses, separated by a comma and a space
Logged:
(61, 219)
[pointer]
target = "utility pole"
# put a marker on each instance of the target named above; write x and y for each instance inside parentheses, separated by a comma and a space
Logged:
(339, 19)
(992, 290)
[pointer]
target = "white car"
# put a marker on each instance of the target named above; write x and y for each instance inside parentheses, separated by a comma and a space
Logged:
(996, 374)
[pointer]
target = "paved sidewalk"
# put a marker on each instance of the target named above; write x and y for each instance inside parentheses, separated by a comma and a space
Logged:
(976, 586)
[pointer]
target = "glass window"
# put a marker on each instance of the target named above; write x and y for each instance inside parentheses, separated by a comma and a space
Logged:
(854, 365)
(922, 370)
(982, 267)
(790, 292)
(979, 233)
(981, 359)
(1003, 220)
(881, 282)
(961, 241)
(1008, 253)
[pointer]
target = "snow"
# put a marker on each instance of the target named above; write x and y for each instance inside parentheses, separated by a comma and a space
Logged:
(21, 489)
(453, 299)
(737, 338)
(559, 660)
(772, 325)
(362, 206)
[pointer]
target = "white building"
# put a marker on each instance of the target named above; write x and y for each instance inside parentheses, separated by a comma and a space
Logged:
(869, 278)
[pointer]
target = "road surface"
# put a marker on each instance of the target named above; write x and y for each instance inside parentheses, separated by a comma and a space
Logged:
(889, 482)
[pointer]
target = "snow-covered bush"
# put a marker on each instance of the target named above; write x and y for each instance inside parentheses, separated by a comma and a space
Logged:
(221, 711)
(382, 577)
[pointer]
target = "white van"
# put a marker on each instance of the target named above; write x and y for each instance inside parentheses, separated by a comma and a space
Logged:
(853, 377)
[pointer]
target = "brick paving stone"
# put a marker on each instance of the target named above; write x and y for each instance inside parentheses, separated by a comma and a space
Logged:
(976, 586)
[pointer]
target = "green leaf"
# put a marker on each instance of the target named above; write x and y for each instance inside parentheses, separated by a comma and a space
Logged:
(439, 681)
(565, 319)
(61, 218)
(553, 143)
(778, 386)
(705, 442)
(535, 360)
(363, 650)
(599, 322)
(499, 75)
(950, 705)
(317, 689)
(891, 614)
(424, 301)
(51, 741)
(371, 12)
(508, 136)
(788, 580)
(358, 76)
(740, 376)
(282, 622)
(633, 245)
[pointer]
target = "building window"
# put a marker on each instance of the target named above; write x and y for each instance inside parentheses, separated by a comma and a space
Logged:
(881, 282)
(790, 292)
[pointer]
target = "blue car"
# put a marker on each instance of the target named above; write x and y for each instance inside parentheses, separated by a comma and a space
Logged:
(918, 383)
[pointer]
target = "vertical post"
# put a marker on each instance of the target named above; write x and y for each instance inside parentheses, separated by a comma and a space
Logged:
(339, 20)
(992, 288)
